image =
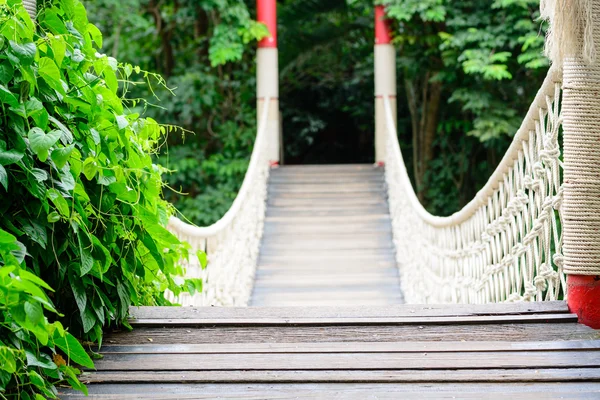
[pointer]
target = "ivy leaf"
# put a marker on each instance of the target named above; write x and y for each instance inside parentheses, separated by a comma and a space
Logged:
(8, 157)
(43, 362)
(6, 96)
(34, 312)
(95, 34)
(25, 52)
(50, 73)
(61, 155)
(90, 168)
(89, 320)
(41, 142)
(202, 258)
(7, 72)
(3, 177)
(73, 350)
(7, 360)
(59, 202)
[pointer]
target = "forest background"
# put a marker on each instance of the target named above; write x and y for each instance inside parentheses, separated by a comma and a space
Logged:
(467, 71)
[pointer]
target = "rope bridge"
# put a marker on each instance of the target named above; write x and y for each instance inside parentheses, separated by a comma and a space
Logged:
(534, 224)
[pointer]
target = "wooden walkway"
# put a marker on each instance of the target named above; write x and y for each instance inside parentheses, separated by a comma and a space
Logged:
(525, 351)
(327, 239)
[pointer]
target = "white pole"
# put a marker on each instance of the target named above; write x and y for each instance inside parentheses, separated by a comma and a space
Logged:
(385, 80)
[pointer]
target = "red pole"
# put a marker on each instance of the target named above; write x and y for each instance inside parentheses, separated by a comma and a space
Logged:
(584, 298)
(382, 27)
(267, 14)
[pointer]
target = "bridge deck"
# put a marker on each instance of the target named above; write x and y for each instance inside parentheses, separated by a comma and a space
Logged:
(327, 239)
(530, 350)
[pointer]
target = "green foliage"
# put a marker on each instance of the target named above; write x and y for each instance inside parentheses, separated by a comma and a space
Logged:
(487, 55)
(31, 347)
(82, 207)
(205, 50)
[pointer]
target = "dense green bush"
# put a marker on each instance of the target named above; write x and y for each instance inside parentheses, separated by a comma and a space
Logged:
(81, 197)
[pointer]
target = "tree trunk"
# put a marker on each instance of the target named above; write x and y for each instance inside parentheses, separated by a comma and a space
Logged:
(424, 99)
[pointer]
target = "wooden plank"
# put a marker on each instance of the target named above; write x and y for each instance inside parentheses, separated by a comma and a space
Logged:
(338, 267)
(318, 288)
(318, 196)
(404, 310)
(332, 220)
(302, 179)
(393, 333)
(380, 301)
(348, 376)
(320, 168)
(326, 212)
(303, 255)
(415, 320)
(345, 361)
(277, 238)
(323, 278)
(517, 391)
(280, 228)
(352, 347)
(343, 201)
(328, 245)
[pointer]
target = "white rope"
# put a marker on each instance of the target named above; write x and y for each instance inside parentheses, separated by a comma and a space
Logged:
(231, 243)
(31, 7)
(581, 114)
(505, 245)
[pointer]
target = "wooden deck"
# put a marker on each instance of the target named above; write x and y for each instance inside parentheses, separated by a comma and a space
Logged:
(526, 351)
(327, 239)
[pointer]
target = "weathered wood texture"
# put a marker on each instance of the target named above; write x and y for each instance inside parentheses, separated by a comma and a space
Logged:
(327, 239)
(527, 350)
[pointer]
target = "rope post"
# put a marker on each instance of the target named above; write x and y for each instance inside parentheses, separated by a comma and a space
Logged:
(267, 76)
(31, 7)
(385, 79)
(581, 124)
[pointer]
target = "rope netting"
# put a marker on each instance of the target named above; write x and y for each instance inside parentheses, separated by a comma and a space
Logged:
(506, 243)
(232, 243)
(537, 218)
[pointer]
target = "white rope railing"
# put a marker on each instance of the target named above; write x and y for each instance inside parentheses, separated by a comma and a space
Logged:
(231, 243)
(506, 244)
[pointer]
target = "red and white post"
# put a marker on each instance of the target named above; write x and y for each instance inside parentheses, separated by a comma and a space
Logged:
(385, 79)
(267, 76)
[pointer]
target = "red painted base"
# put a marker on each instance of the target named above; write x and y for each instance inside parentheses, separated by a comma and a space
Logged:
(273, 164)
(380, 163)
(584, 298)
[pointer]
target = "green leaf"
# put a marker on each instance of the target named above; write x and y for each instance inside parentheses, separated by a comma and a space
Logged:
(50, 73)
(25, 52)
(43, 361)
(6, 96)
(73, 350)
(89, 320)
(78, 293)
(59, 202)
(7, 72)
(34, 312)
(60, 155)
(41, 142)
(202, 258)
(8, 157)
(53, 217)
(95, 34)
(90, 168)
(36, 379)
(3, 177)
(8, 362)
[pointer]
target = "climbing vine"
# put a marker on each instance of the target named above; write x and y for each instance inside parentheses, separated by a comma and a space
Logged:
(82, 232)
